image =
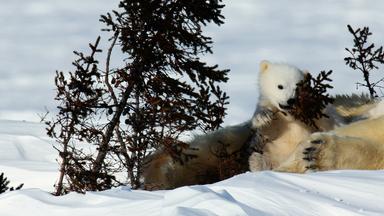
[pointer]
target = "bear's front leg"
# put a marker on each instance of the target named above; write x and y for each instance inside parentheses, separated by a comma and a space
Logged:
(320, 152)
(261, 118)
(313, 154)
(258, 162)
(331, 151)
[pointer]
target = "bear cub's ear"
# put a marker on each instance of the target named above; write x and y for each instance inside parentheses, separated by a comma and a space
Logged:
(306, 73)
(264, 65)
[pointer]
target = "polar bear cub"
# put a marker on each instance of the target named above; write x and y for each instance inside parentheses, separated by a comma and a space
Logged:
(277, 85)
(277, 88)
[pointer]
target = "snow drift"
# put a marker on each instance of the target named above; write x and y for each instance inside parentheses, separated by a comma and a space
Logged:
(27, 156)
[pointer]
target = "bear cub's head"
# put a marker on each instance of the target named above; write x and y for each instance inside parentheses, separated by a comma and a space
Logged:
(278, 82)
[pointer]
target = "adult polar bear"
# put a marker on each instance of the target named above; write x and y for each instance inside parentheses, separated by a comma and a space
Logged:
(277, 85)
(359, 145)
(287, 147)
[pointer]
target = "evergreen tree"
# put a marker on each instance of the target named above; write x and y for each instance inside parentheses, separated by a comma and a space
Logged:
(4, 182)
(161, 90)
(365, 58)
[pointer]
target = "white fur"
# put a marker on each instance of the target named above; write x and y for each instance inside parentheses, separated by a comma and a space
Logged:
(282, 132)
(377, 111)
(274, 75)
(277, 85)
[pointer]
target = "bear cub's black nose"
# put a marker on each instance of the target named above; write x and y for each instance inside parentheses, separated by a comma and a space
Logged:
(291, 101)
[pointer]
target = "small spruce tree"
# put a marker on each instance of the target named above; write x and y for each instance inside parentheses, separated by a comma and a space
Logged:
(312, 98)
(365, 58)
(4, 182)
(160, 91)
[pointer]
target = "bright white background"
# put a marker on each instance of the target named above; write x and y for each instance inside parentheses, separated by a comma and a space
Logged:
(37, 38)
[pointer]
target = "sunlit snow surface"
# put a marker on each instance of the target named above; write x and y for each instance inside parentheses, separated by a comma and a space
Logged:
(27, 156)
(265, 193)
(37, 37)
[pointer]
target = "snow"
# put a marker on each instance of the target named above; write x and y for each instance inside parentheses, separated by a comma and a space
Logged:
(38, 37)
(27, 156)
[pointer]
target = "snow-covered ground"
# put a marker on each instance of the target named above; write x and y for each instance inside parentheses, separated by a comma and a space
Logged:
(37, 37)
(27, 156)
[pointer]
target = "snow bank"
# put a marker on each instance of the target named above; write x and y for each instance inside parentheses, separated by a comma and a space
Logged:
(264, 193)
(27, 156)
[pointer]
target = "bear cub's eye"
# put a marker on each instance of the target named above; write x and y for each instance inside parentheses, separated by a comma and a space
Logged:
(280, 87)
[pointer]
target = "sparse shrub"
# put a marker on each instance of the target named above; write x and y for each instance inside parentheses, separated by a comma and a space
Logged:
(312, 98)
(4, 182)
(365, 58)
